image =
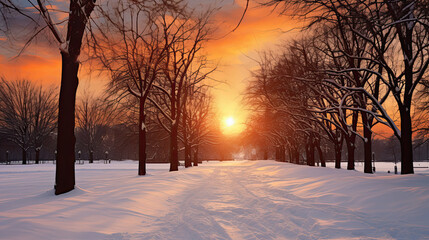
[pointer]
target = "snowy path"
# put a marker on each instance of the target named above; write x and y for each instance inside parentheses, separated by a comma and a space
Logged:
(230, 200)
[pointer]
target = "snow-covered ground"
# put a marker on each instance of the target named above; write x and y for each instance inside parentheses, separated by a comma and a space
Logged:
(217, 200)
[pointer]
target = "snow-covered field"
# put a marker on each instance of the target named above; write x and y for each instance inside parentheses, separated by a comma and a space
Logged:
(217, 200)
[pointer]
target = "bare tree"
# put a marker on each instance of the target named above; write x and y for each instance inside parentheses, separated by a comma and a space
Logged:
(44, 117)
(131, 48)
(196, 129)
(27, 114)
(93, 117)
(70, 47)
(16, 99)
(185, 35)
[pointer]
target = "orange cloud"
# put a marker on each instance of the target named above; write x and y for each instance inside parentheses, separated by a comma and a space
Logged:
(32, 67)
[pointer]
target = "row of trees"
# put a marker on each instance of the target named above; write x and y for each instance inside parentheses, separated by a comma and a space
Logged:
(100, 128)
(334, 82)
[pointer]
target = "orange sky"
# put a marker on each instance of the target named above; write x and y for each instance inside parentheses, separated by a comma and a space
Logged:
(261, 29)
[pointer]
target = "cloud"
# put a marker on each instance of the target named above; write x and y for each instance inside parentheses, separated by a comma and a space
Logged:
(32, 67)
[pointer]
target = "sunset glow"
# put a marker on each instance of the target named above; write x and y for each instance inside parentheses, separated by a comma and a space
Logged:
(229, 121)
(232, 125)
(215, 119)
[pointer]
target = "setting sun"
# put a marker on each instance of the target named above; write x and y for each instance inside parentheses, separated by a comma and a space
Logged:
(229, 121)
(232, 125)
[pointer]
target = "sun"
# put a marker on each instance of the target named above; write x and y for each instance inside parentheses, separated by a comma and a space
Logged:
(231, 125)
(229, 121)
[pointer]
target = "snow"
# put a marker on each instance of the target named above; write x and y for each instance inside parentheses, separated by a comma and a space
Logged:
(216, 200)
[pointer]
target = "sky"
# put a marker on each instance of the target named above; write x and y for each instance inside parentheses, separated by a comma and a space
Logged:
(261, 29)
(233, 52)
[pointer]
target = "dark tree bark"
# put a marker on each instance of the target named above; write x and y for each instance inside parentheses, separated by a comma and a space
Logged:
(310, 152)
(321, 156)
(290, 154)
(37, 156)
(266, 154)
(408, 38)
(282, 153)
(338, 155)
(406, 142)
(351, 142)
(307, 153)
(91, 156)
(277, 153)
(196, 156)
(295, 154)
(174, 153)
(24, 156)
(350, 155)
(188, 160)
(142, 138)
(367, 143)
(65, 170)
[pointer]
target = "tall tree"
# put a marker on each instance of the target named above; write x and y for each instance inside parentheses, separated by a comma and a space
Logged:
(44, 117)
(185, 39)
(93, 117)
(130, 47)
(70, 46)
(195, 124)
(15, 112)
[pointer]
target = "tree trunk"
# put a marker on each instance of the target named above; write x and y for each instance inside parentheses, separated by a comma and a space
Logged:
(321, 156)
(266, 154)
(142, 138)
(338, 155)
(174, 154)
(24, 156)
(290, 154)
(91, 156)
(78, 17)
(37, 155)
(296, 155)
(188, 162)
(405, 33)
(282, 154)
(196, 156)
(406, 142)
(65, 173)
(277, 153)
(310, 153)
(350, 154)
(307, 153)
(367, 144)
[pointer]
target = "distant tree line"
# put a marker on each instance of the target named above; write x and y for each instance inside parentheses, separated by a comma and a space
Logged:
(334, 82)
